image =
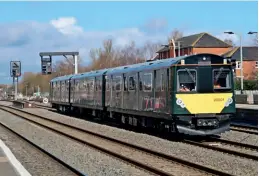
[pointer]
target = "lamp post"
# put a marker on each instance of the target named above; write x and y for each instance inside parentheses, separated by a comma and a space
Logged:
(241, 59)
(250, 33)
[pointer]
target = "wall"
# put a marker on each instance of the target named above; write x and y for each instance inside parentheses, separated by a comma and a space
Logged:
(249, 70)
(218, 51)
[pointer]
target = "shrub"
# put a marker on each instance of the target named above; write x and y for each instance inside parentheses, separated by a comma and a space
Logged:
(248, 85)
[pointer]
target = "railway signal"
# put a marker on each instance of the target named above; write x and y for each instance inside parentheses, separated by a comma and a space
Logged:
(46, 65)
(15, 68)
(15, 72)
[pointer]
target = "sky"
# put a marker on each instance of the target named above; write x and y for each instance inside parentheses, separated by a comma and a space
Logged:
(28, 28)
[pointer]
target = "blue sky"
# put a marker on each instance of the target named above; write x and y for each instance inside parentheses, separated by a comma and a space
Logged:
(28, 28)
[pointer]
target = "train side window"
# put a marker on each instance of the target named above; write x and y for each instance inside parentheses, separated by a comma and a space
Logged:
(118, 83)
(157, 76)
(140, 81)
(186, 80)
(147, 79)
(96, 84)
(67, 86)
(107, 84)
(132, 83)
(162, 82)
(91, 85)
(222, 79)
(63, 86)
(125, 83)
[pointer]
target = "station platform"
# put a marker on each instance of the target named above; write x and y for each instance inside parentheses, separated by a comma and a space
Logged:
(9, 165)
(247, 106)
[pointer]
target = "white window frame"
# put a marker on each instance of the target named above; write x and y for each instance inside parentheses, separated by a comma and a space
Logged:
(178, 79)
(238, 65)
(256, 64)
(144, 83)
(228, 78)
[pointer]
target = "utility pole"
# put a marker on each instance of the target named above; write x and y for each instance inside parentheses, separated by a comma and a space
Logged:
(179, 48)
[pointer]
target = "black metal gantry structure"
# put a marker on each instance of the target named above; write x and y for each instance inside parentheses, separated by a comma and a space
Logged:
(46, 60)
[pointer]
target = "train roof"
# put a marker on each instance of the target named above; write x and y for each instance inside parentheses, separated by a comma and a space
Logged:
(61, 78)
(90, 74)
(146, 65)
(164, 63)
(190, 59)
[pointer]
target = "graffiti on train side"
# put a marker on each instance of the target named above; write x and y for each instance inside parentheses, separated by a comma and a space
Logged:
(151, 103)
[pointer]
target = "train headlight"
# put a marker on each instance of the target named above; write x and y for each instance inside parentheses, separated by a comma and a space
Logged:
(180, 103)
(228, 102)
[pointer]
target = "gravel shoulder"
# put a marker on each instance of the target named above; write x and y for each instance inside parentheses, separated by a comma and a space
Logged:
(228, 163)
(33, 160)
(83, 158)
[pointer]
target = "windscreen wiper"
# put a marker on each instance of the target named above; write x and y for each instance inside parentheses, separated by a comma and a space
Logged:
(188, 71)
(218, 75)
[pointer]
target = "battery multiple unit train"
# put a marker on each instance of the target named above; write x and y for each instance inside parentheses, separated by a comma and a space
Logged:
(189, 94)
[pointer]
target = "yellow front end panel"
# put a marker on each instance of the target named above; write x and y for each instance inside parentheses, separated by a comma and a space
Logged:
(204, 103)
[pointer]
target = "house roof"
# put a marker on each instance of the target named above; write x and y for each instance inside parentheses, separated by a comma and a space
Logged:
(201, 40)
(250, 53)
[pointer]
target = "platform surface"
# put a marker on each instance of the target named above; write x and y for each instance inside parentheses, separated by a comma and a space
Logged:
(9, 165)
(6, 168)
(247, 106)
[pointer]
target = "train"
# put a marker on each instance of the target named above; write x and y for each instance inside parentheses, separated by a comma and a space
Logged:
(190, 95)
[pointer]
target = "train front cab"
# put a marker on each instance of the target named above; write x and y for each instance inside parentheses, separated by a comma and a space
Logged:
(203, 94)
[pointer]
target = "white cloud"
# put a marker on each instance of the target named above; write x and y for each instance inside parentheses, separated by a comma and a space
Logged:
(24, 40)
(67, 26)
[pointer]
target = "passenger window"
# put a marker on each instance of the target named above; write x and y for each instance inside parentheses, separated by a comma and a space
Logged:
(147, 79)
(117, 83)
(221, 79)
(125, 82)
(162, 82)
(91, 85)
(107, 84)
(132, 83)
(186, 80)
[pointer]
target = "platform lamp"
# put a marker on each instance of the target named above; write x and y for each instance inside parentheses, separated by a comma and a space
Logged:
(241, 59)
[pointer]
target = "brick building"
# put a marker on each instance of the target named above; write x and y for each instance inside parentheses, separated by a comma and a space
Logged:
(194, 44)
(206, 43)
(250, 61)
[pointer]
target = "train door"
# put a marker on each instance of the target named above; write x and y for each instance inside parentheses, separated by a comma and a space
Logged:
(132, 92)
(159, 90)
(125, 93)
(146, 92)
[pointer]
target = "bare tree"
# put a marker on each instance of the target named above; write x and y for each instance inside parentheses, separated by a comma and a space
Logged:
(149, 49)
(229, 41)
(175, 34)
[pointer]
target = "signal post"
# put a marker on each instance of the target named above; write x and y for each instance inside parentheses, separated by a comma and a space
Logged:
(15, 72)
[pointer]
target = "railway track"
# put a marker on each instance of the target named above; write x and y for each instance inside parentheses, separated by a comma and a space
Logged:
(152, 161)
(226, 146)
(73, 170)
(245, 129)
(214, 143)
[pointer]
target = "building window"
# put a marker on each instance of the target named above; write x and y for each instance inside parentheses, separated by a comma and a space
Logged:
(256, 64)
(238, 65)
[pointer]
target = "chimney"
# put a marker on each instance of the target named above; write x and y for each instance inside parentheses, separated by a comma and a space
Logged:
(171, 48)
